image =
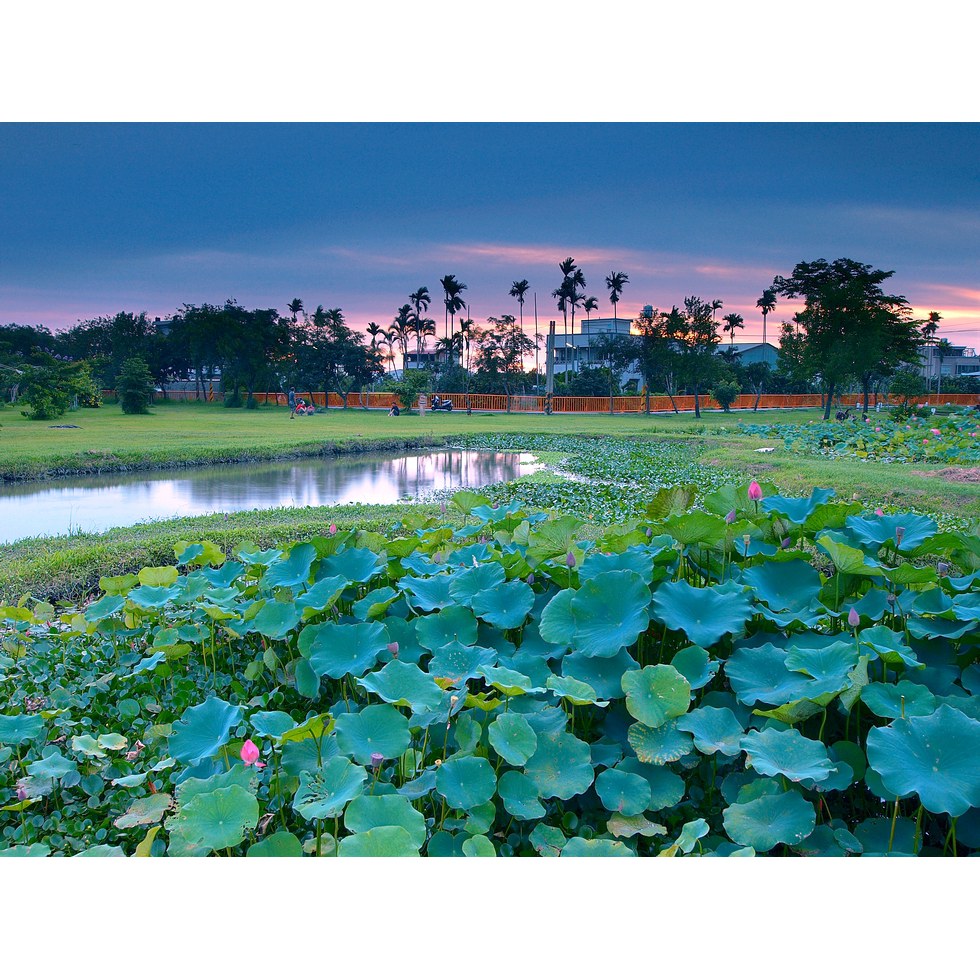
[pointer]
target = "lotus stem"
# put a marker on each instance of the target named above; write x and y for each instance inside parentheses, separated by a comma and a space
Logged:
(918, 828)
(891, 835)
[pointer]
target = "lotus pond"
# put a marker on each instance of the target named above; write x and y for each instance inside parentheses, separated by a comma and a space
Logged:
(768, 675)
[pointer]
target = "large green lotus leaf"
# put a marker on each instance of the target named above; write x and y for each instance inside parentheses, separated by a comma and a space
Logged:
(276, 619)
(704, 615)
(901, 700)
(105, 607)
(659, 745)
(193, 786)
(428, 593)
(666, 787)
(324, 792)
(17, 729)
(674, 500)
(573, 691)
(714, 730)
(107, 850)
(696, 527)
(455, 624)
(321, 596)
(889, 645)
(281, 844)
(851, 561)
(552, 538)
(339, 650)
(202, 730)
(690, 834)
(509, 682)
(882, 529)
(466, 585)
(479, 846)
(829, 664)
(696, 665)
(557, 625)
(934, 626)
(153, 597)
(307, 680)
(53, 765)
(291, 571)
(25, 850)
(787, 753)
(505, 606)
(603, 674)
(161, 575)
(930, 602)
(620, 826)
(598, 847)
(117, 584)
(368, 812)
(795, 712)
(936, 756)
(273, 724)
(383, 842)
(404, 684)
(354, 564)
(459, 662)
(264, 558)
(656, 694)
(466, 782)
(623, 792)
(378, 728)
(218, 819)
(759, 674)
(145, 810)
(561, 766)
(403, 633)
(797, 509)
(875, 834)
(512, 738)
(610, 611)
(637, 560)
(547, 841)
(784, 585)
(466, 500)
(520, 796)
(375, 603)
(777, 818)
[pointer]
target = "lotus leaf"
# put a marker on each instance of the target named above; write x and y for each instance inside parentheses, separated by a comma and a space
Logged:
(162, 575)
(153, 597)
(547, 841)
(479, 846)
(113, 741)
(557, 625)
(341, 650)
(25, 850)
(873, 835)
(573, 691)
(656, 694)
(368, 812)
(455, 624)
(883, 529)
(52, 765)
(459, 662)
(764, 822)
(103, 608)
(705, 615)
(509, 682)
(354, 564)
(404, 684)
(623, 792)
(202, 730)
(714, 730)
(603, 674)
(561, 766)
(145, 810)
(621, 826)
(445, 845)
(466, 782)
(797, 509)
(281, 844)
(17, 729)
(636, 560)
(325, 791)
(466, 585)
(889, 645)
(610, 611)
(696, 527)
(759, 674)
(384, 842)
(273, 724)
(696, 665)
(378, 728)
(428, 593)
(218, 819)
(786, 753)
(936, 756)
(851, 561)
(901, 700)
(86, 745)
(659, 745)
(512, 738)
(519, 795)
(276, 620)
(375, 603)
(784, 585)
(666, 787)
(321, 596)
(505, 606)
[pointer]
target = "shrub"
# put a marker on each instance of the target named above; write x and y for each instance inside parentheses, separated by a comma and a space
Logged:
(134, 386)
(725, 393)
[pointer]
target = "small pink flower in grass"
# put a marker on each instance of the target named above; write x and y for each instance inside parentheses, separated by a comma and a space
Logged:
(730, 517)
(250, 755)
(755, 491)
(333, 528)
(570, 560)
(853, 618)
(393, 648)
(879, 512)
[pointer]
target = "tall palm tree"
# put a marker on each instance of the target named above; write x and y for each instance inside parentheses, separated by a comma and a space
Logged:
(422, 327)
(716, 305)
(733, 321)
(420, 300)
(375, 330)
(454, 301)
(401, 330)
(615, 282)
(589, 305)
(575, 300)
(767, 303)
(295, 307)
(518, 290)
(571, 276)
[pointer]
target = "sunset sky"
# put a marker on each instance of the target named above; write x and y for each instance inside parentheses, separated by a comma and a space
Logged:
(98, 218)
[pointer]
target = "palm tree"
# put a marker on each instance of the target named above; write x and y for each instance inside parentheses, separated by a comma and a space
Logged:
(571, 278)
(454, 303)
(944, 349)
(590, 304)
(518, 289)
(767, 303)
(375, 330)
(716, 305)
(388, 340)
(575, 299)
(615, 282)
(422, 327)
(295, 307)
(734, 322)
(401, 330)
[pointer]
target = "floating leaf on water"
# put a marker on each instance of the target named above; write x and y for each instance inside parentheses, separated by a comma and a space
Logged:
(696, 665)
(404, 684)
(659, 745)
(904, 699)
(459, 662)
(623, 792)
(454, 624)
(218, 819)
(573, 691)
(17, 729)
(519, 795)
(622, 826)
(581, 847)
(290, 571)
(714, 730)
(145, 810)
(341, 650)
(561, 766)
(505, 606)
(466, 782)
(610, 611)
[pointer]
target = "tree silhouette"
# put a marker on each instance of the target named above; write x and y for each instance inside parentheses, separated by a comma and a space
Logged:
(767, 303)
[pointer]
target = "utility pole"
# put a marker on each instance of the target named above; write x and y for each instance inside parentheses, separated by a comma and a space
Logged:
(537, 346)
(549, 368)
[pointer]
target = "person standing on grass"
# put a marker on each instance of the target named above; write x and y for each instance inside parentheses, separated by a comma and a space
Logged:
(291, 398)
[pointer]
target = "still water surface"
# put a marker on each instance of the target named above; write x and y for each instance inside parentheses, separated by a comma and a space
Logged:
(97, 503)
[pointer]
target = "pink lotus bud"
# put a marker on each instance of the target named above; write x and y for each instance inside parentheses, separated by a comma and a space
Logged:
(21, 793)
(393, 648)
(899, 534)
(250, 755)
(853, 619)
(438, 557)
(935, 432)
(333, 528)
(785, 543)
(877, 428)
(649, 533)
(376, 759)
(530, 578)
(570, 560)
(943, 569)
(730, 517)
(925, 442)
(879, 512)
(755, 491)
(442, 507)
(483, 539)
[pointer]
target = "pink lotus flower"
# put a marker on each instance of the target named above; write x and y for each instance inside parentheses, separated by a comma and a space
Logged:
(755, 491)
(853, 619)
(21, 793)
(730, 517)
(333, 528)
(785, 543)
(250, 755)
(935, 432)
(925, 442)
(879, 512)
(393, 648)
(877, 428)
(570, 560)
(376, 759)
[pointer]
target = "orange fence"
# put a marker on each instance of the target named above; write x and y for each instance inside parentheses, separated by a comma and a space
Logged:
(621, 405)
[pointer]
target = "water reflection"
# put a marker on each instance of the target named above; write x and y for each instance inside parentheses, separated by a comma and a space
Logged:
(97, 503)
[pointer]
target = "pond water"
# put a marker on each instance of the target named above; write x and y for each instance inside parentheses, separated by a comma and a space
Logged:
(97, 503)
